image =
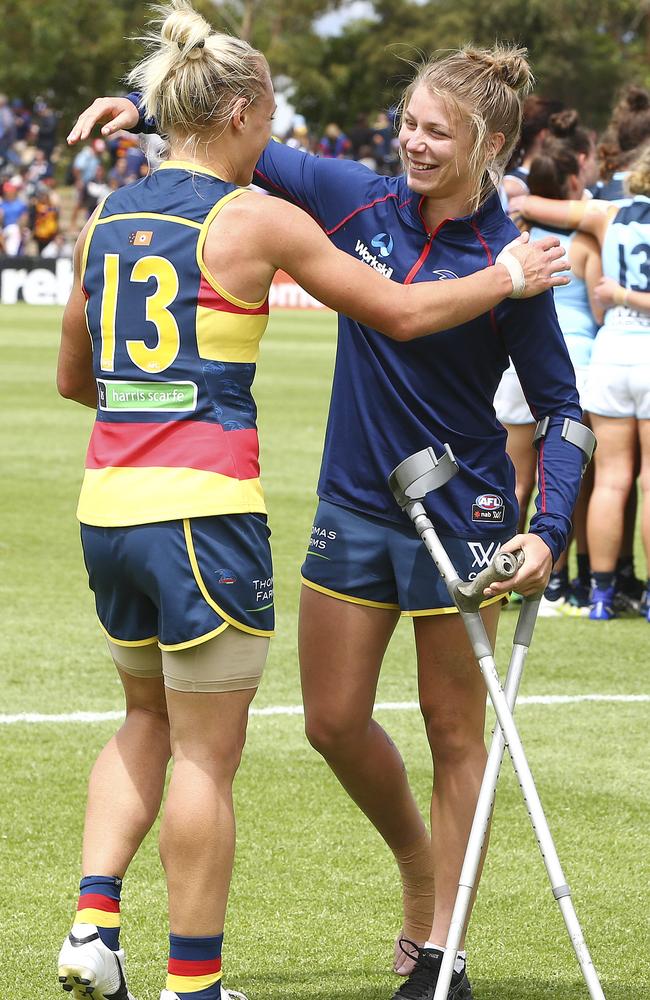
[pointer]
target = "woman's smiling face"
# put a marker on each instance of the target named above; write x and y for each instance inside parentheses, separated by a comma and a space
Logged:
(435, 146)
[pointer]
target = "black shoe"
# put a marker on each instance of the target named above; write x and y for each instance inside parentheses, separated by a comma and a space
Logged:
(421, 984)
(628, 595)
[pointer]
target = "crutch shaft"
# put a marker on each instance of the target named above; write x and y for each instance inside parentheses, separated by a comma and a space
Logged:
(561, 890)
(478, 832)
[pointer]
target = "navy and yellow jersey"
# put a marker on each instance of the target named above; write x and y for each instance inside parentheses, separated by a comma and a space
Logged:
(174, 356)
(391, 399)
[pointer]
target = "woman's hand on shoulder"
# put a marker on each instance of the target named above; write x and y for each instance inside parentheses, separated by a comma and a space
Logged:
(533, 576)
(537, 266)
(117, 112)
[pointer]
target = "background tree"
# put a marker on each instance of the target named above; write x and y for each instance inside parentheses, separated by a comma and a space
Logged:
(581, 50)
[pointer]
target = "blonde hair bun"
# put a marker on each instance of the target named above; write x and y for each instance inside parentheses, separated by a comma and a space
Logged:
(184, 29)
(193, 77)
(504, 63)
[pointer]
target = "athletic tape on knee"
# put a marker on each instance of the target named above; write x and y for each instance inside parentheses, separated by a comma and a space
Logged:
(516, 272)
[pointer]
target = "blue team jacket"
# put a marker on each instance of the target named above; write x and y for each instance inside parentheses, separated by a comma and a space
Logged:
(391, 399)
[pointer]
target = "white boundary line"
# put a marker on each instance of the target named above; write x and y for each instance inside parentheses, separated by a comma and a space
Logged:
(31, 718)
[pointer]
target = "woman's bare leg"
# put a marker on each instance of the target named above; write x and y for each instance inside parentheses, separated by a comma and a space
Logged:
(452, 698)
(127, 781)
(614, 471)
(341, 649)
(523, 456)
(197, 835)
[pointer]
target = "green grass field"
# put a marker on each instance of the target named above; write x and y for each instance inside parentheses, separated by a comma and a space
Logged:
(315, 901)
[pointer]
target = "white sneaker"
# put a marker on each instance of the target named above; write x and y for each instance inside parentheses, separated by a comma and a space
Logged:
(225, 995)
(552, 609)
(87, 968)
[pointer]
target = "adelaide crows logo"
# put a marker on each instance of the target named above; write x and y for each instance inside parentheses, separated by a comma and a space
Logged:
(443, 274)
(384, 243)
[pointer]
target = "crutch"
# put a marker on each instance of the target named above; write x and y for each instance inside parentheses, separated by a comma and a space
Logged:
(410, 482)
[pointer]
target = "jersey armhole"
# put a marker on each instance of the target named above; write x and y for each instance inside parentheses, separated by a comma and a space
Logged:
(211, 280)
(86, 246)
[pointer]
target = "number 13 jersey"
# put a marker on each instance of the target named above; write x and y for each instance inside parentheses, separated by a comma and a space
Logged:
(174, 355)
(624, 338)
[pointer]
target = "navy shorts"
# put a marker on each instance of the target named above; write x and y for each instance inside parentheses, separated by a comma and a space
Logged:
(181, 582)
(382, 564)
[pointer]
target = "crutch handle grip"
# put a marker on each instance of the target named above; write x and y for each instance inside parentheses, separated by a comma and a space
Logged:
(469, 596)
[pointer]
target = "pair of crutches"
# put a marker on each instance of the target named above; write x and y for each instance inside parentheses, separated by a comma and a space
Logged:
(410, 482)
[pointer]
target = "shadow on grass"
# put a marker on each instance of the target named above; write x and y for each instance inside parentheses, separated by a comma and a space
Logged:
(534, 989)
(502, 989)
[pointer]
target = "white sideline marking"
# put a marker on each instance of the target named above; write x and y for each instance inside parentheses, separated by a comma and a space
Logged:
(381, 706)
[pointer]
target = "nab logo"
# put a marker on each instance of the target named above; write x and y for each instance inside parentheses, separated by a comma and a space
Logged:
(384, 243)
(444, 275)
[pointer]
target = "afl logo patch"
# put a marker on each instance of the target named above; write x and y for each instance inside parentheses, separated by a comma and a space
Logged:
(225, 576)
(488, 507)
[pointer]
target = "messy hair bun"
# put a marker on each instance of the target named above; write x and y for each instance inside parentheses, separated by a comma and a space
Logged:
(565, 126)
(186, 30)
(563, 123)
(193, 76)
(509, 65)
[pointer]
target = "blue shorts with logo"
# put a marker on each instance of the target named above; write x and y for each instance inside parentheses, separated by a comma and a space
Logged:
(366, 560)
(179, 583)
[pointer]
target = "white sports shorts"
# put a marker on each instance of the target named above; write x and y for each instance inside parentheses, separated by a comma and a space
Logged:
(618, 391)
(510, 403)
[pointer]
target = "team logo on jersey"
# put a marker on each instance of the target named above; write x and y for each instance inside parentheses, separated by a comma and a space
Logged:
(384, 243)
(225, 576)
(142, 238)
(372, 259)
(483, 554)
(442, 274)
(488, 507)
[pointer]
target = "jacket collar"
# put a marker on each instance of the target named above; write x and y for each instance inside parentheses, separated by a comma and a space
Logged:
(409, 206)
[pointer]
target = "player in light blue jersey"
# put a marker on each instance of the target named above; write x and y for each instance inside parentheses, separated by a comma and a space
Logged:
(617, 392)
(562, 170)
(563, 131)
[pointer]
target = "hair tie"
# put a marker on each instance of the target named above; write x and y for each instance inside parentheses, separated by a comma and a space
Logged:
(197, 45)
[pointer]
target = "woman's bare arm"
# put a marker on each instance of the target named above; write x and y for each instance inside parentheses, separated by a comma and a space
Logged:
(75, 378)
(285, 237)
(589, 216)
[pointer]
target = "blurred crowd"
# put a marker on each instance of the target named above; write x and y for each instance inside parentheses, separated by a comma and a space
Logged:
(35, 165)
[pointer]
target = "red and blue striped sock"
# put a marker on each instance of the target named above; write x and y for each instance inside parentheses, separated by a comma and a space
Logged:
(194, 969)
(99, 904)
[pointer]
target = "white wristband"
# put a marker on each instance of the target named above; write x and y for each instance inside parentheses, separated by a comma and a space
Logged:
(516, 272)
